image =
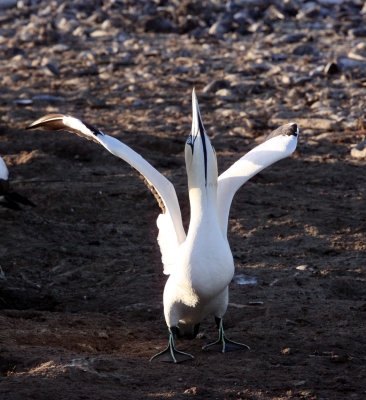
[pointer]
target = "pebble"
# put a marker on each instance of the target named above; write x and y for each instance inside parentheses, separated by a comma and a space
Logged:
(159, 24)
(331, 68)
(305, 50)
(300, 49)
(359, 151)
(6, 4)
(292, 38)
(241, 279)
(219, 28)
(347, 63)
(196, 391)
(358, 32)
(226, 94)
(47, 98)
(216, 85)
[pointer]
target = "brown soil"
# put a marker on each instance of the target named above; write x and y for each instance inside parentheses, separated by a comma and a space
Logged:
(81, 278)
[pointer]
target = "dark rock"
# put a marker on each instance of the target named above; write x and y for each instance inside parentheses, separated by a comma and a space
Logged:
(347, 63)
(220, 27)
(279, 57)
(216, 85)
(332, 68)
(159, 24)
(293, 38)
(309, 10)
(305, 50)
(358, 32)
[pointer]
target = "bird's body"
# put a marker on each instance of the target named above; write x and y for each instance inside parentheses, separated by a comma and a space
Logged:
(204, 270)
(197, 285)
(200, 263)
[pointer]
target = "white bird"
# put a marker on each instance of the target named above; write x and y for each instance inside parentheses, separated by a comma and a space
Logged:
(200, 264)
(8, 198)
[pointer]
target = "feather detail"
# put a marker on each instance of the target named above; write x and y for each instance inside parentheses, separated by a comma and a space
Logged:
(168, 243)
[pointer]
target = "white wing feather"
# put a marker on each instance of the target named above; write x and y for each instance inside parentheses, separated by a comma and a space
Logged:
(171, 231)
(262, 156)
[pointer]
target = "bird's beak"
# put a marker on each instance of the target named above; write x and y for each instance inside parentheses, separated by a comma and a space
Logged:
(197, 124)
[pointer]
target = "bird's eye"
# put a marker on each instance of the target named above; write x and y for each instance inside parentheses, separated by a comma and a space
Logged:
(190, 142)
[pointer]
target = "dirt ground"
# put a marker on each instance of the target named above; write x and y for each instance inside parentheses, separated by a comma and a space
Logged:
(81, 278)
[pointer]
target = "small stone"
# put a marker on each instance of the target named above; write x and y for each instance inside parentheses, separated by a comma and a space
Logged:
(359, 151)
(52, 69)
(196, 391)
(66, 25)
(59, 48)
(5, 4)
(226, 94)
(339, 359)
(23, 102)
(309, 10)
(159, 24)
(100, 33)
(255, 303)
(358, 52)
(299, 383)
(358, 32)
(47, 98)
(292, 38)
(330, 3)
(216, 85)
(350, 63)
(103, 335)
(304, 50)
(331, 68)
(219, 28)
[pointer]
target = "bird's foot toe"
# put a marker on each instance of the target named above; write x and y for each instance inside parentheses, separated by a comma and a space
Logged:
(225, 345)
(172, 355)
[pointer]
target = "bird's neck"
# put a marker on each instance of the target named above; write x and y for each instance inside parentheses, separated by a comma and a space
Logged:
(203, 202)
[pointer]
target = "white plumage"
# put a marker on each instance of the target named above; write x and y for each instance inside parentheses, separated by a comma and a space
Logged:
(4, 172)
(9, 198)
(200, 264)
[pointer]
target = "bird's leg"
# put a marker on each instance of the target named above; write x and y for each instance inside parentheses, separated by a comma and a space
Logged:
(171, 354)
(223, 343)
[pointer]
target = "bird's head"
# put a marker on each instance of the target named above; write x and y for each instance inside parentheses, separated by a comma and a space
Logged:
(284, 138)
(200, 156)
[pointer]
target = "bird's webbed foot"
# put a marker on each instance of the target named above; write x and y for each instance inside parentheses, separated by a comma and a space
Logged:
(171, 354)
(223, 344)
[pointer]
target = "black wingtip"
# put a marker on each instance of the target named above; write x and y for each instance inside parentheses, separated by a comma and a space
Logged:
(93, 129)
(290, 129)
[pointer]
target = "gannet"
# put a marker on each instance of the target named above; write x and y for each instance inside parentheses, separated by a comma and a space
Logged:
(8, 198)
(200, 263)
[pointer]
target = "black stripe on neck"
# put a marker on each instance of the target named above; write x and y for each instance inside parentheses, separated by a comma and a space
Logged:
(202, 132)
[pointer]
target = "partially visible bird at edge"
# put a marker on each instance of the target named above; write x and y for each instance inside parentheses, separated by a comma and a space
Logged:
(9, 198)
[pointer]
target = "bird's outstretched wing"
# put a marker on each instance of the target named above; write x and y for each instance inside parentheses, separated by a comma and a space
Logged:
(279, 144)
(8, 198)
(171, 231)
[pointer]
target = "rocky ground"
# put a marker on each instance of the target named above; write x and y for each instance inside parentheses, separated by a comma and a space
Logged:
(81, 278)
